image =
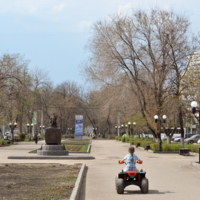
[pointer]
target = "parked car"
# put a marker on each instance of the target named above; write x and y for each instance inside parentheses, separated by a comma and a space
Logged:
(174, 137)
(192, 139)
(177, 139)
(198, 142)
(164, 137)
(188, 135)
(9, 134)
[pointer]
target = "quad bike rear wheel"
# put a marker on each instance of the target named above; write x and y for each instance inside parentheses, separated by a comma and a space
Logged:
(144, 186)
(119, 185)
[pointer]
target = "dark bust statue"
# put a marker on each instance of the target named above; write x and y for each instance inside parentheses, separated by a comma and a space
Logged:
(53, 119)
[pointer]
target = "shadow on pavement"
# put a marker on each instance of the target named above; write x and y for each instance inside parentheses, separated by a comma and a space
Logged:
(128, 192)
(83, 186)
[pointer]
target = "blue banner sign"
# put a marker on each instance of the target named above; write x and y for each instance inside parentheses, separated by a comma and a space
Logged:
(78, 124)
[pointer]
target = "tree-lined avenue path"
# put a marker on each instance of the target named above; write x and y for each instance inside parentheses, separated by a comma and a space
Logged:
(170, 176)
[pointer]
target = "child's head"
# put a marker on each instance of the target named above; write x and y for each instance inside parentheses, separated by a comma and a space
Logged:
(131, 150)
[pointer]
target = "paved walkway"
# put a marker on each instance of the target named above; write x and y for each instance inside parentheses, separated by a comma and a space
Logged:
(170, 176)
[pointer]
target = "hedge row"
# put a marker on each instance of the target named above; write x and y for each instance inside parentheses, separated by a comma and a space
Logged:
(155, 146)
(3, 142)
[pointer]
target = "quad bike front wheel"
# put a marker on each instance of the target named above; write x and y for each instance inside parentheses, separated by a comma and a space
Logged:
(144, 186)
(119, 182)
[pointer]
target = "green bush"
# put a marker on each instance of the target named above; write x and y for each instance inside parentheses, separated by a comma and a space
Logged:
(154, 147)
(22, 136)
(123, 139)
(131, 140)
(194, 148)
(127, 139)
(116, 137)
(167, 147)
(175, 147)
(3, 142)
(119, 138)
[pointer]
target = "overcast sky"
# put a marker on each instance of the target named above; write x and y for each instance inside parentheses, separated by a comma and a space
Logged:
(52, 33)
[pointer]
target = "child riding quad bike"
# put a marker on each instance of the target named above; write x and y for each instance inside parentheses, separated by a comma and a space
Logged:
(126, 178)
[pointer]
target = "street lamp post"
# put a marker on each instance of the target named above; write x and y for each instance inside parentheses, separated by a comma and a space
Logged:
(69, 130)
(129, 124)
(12, 128)
(194, 110)
(29, 129)
(156, 120)
(122, 126)
(42, 128)
(133, 127)
(116, 129)
(96, 129)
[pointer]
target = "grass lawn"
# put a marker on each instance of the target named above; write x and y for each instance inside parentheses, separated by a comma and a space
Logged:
(77, 148)
(37, 181)
(77, 141)
(71, 148)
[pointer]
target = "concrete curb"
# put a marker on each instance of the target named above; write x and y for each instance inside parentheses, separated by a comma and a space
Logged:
(163, 152)
(193, 154)
(88, 150)
(69, 157)
(76, 191)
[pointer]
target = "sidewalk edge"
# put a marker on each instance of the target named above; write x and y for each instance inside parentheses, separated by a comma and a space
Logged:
(77, 188)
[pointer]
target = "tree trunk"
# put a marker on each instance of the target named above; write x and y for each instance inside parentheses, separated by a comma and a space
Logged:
(169, 138)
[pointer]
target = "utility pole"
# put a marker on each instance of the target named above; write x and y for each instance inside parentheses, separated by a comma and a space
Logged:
(118, 125)
(42, 121)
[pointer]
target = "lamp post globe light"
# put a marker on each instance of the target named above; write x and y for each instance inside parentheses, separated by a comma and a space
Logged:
(12, 128)
(133, 128)
(164, 118)
(41, 130)
(129, 124)
(116, 128)
(29, 129)
(122, 126)
(156, 120)
(194, 105)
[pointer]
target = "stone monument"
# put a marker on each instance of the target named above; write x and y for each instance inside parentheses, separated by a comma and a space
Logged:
(53, 145)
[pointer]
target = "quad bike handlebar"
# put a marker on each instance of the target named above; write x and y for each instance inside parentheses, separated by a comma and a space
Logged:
(125, 162)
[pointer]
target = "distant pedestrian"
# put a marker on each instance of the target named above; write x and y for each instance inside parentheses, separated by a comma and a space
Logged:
(99, 134)
(35, 137)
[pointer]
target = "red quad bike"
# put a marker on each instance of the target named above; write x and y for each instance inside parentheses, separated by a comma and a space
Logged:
(125, 179)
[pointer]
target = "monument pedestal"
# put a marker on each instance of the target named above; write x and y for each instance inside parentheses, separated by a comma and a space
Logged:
(53, 150)
(53, 135)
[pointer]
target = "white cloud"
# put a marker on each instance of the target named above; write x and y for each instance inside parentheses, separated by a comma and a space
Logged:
(166, 7)
(125, 9)
(32, 7)
(60, 7)
(84, 25)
